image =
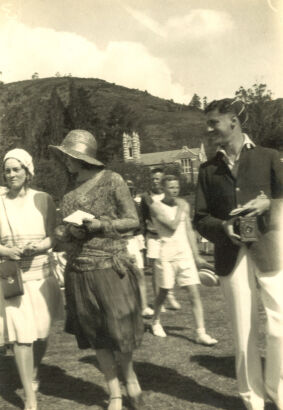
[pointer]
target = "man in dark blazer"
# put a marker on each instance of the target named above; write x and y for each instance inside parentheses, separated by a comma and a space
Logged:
(248, 178)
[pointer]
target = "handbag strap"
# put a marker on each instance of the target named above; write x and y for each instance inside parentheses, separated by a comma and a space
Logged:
(9, 224)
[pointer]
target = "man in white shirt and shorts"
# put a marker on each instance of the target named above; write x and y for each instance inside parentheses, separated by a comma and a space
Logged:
(178, 256)
(151, 235)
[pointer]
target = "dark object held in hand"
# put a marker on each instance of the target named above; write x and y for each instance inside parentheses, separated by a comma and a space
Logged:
(12, 283)
(246, 227)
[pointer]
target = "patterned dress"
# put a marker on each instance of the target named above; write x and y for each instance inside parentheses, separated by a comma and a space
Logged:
(101, 282)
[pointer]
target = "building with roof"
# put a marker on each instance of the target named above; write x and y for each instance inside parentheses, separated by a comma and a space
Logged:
(188, 158)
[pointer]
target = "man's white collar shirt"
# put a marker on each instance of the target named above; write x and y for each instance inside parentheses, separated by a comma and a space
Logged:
(233, 163)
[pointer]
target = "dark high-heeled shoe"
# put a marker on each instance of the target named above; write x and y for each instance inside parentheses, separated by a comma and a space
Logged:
(136, 401)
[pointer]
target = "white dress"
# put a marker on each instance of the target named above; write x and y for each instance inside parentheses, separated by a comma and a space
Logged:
(27, 318)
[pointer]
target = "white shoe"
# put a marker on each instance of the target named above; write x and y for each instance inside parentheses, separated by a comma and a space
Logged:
(163, 309)
(205, 339)
(158, 330)
(147, 312)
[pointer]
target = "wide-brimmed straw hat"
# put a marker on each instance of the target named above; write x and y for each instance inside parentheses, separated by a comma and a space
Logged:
(79, 144)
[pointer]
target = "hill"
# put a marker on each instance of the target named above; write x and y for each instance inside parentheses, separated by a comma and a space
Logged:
(28, 106)
(36, 113)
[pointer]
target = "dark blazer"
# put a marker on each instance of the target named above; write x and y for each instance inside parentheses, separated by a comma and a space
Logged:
(218, 192)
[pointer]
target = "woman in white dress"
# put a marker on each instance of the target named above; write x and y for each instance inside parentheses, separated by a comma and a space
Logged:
(27, 220)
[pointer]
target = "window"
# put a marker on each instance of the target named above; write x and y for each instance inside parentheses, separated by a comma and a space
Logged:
(186, 166)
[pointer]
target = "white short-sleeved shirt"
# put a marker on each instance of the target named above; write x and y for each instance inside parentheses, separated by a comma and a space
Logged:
(174, 245)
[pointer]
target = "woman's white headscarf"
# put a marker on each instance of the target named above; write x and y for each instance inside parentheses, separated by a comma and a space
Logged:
(23, 157)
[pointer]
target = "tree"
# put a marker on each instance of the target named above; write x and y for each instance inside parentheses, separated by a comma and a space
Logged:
(35, 76)
(120, 119)
(258, 93)
(265, 123)
(204, 103)
(195, 101)
(138, 173)
(81, 113)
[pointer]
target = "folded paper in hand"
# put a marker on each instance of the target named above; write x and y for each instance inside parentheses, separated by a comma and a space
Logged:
(77, 217)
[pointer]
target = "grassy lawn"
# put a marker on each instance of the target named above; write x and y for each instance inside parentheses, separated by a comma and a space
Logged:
(175, 373)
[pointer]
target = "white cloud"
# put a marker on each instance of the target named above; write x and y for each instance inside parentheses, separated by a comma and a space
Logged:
(26, 50)
(197, 24)
(147, 21)
(136, 68)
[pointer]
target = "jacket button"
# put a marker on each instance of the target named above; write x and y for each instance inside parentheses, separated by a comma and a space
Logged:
(237, 189)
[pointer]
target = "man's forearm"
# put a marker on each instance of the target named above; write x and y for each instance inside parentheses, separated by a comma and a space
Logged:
(210, 227)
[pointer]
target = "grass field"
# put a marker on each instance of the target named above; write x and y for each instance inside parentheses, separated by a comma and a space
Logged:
(175, 373)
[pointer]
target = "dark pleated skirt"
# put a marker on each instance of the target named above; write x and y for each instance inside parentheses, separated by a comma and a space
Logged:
(103, 309)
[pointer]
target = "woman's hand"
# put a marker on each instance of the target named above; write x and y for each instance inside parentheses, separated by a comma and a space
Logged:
(14, 253)
(31, 249)
(77, 232)
(92, 225)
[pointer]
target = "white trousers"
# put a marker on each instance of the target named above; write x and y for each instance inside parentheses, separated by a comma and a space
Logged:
(241, 293)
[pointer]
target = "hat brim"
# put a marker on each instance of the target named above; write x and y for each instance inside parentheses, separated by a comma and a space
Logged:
(208, 277)
(75, 154)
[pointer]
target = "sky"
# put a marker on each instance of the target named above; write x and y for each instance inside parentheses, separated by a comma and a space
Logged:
(171, 48)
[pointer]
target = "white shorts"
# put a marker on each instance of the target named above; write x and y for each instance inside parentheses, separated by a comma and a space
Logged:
(133, 247)
(183, 271)
(153, 247)
(141, 241)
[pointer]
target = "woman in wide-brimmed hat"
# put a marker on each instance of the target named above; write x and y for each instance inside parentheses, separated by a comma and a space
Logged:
(102, 294)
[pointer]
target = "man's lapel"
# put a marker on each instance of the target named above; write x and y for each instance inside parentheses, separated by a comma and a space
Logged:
(223, 169)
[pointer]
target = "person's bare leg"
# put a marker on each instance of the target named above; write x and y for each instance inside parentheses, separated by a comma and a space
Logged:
(196, 304)
(108, 367)
(39, 350)
(172, 300)
(127, 366)
(195, 300)
(146, 310)
(159, 301)
(24, 360)
(151, 263)
(156, 326)
(132, 384)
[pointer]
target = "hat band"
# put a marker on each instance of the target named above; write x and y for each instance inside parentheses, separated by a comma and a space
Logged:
(81, 149)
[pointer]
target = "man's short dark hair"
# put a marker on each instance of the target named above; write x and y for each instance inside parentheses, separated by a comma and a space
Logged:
(156, 170)
(169, 178)
(229, 105)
